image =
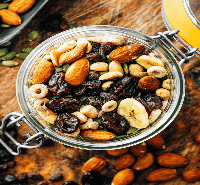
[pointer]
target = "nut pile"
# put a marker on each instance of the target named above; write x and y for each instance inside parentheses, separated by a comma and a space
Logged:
(100, 87)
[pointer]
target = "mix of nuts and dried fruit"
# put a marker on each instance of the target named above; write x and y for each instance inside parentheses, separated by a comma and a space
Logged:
(100, 87)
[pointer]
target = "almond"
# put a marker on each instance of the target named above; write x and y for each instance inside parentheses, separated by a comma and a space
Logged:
(95, 163)
(172, 160)
(73, 55)
(197, 138)
(149, 83)
(99, 135)
(124, 161)
(191, 175)
(144, 162)
(139, 150)
(21, 6)
(156, 142)
(118, 152)
(162, 174)
(124, 177)
(77, 72)
(10, 17)
(127, 53)
(42, 72)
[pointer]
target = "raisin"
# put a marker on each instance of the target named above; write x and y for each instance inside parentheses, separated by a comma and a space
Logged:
(93, 76)
(95, 47)
(67, 123)
(57, 84)
(105, 49)
(115, 123)
(62, 105)
(70, 183)
(94, 57)
(94, 101)
(105, 97)
(92, 84)
(92, 178)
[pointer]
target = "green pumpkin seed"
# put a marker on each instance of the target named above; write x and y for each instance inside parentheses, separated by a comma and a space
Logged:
(102, 72)
(22, 55)
(6, 44)
(27, 50)
(125, 66)
(90, 72)
(9, 56)
(3, 51)
(4, 5)
(65, 67)
(83, 98)
(5, 25)
(10, 63)
(58, 69)
(33, 35)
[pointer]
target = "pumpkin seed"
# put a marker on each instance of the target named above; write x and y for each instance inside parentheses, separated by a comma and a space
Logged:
(5, 25)
(6, 44)
(58, 69)
(33, 35)
(4, 5)
(125, 66)
(22, 55)
(8, 56)
(27, 50)
(65, 67)
(3, 51)
(10, 63)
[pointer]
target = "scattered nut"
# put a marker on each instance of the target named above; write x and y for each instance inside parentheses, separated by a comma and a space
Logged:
(124, 161)
(95, 163)
(89, 111)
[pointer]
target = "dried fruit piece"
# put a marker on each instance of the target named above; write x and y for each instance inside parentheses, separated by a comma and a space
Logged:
(124, 177)
(10, 17)
(127, 53)
(73, 55)
(77, 72)
(149, 61)
(99, 135)
(172, 160)
(21, 6)
(162, 174)
(134, 112)
(144, 162)
(124, 161)
(42, 72)
(156, 142)
(118, 152)
(95, 163)
(139, 150)
(149, 83)
(191, 175)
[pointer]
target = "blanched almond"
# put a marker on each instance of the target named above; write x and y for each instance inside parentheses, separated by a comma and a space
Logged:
(110, 75)
(99, 66)
(115, 66)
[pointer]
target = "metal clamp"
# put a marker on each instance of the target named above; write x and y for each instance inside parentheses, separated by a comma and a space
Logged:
(166, 39)
(14, 119)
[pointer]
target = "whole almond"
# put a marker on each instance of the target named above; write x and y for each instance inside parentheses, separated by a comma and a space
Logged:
(124, 161)
(124, 177)
(99, 135)
(77, 72)
(42, 72)
(144, 162)
(127, 53)
(95, 163)
(162, 174)
(118, 152)
(191, 175)
(156, 142)
(139, 150)
(10, 17)
(172, 160)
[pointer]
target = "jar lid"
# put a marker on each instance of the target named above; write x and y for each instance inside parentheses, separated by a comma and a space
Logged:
(183, 15)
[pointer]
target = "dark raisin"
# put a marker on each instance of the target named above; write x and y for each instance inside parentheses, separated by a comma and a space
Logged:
(57, 84)
(3, 167)
(64, 105)
(67, 123)
(70, 183)
(79, 90)
(115, 123)
(22, 176)
(10, 178)
(92, 178)
(94, 101)
(105, 97)
(56, 177)
(93, 76)
(95, 47)
(92, 84)
(105, 49)
(94, 57)
(34, 176)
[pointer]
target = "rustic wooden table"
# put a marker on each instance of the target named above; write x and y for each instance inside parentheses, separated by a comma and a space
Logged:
(140, 15)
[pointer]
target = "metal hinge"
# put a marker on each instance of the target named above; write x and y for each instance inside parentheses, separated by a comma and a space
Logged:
(166, 40)
(14, 119)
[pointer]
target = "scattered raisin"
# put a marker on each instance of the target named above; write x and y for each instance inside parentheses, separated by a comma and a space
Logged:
(92, 178)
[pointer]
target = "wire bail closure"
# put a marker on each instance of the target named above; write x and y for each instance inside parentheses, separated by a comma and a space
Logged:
(14, 118)
(166, 39)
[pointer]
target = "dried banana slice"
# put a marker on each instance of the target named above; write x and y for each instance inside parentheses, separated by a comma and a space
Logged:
(134, 112)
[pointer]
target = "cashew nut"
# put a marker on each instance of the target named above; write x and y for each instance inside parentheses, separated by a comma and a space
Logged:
(80, 116)
(163, 93)
(90, 124)
(105, 86)
(89, 110)
(168, 84)
(109, 106)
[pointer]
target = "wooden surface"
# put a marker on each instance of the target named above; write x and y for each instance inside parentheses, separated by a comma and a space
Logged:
(140, 15)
